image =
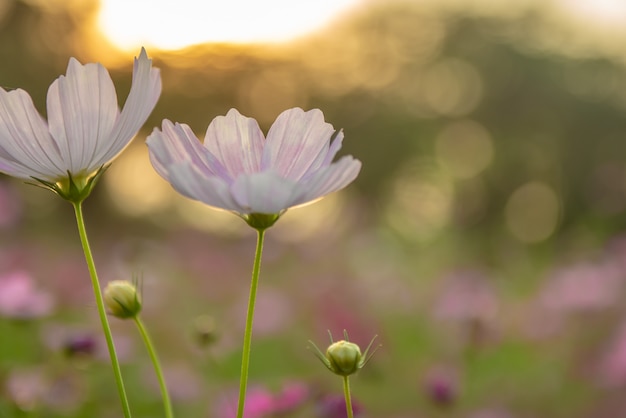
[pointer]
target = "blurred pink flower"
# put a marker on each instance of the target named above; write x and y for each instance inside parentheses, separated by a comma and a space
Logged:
(467, 297)
(292, 396)
(184, 384)
(612, 366)
(237, 169)
(34, 389)
(442, 385)
(275, 312)
(491, 413)
(73, 342)
(85, 128)
(81, 345)
(26, 388)
(65, 394)
(81, 341)
(334, 406)
(470, 303)
(259, 404)
(20, 299)
(582, 287)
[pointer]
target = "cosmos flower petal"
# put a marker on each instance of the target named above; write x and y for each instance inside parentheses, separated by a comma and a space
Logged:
(82, 109)
(85, 130)
(177, 143)
(26, 147)
(325, 158)
(144, 94)
(191, 182)
(265, 192)
(334, 148)
(331, 179)
(237, 141)
(296, 142)
(295, 168)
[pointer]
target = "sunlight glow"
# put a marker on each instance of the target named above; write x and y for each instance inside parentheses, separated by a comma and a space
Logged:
(169, 24)
(612, 12)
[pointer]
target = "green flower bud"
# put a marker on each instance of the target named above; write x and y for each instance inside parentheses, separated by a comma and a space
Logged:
(122, 299)
(344, 358)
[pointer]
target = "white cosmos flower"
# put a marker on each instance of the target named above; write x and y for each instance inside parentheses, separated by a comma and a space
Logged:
(85, 128)
(239, 170)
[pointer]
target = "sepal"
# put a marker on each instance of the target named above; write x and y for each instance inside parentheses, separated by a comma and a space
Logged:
(261, 221)
(71, 188)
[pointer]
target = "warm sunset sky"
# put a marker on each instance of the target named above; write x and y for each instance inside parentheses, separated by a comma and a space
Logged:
(132, 23)
(169, 25)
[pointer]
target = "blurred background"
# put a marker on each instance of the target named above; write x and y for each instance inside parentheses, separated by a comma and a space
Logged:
(483, 240)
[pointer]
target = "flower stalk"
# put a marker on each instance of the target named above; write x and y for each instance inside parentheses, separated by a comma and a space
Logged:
(348, 396)
(82, 232)
(247, 339)
(167, 404)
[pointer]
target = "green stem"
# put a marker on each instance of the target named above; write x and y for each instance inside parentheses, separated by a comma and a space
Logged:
(247, 338)
(346, 393)
(100, 303)
(167, 404)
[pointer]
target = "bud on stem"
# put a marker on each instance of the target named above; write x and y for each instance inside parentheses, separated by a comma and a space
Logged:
(122, 299)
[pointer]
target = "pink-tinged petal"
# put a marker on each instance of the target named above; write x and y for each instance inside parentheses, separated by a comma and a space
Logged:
(26, 147)
(82, 109)
(297, 141)
(330, 179)
(159, 152)
(176, 144)
(265, 192)
(237, 141)
(194, 184)
(144, 94)
(334, 148)
(325, 159)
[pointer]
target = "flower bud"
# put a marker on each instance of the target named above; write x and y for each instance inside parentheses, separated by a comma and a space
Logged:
(122, 299)
(344, 358)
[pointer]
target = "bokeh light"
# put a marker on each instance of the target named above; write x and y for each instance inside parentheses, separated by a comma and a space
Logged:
(421, 201)
(452, 87)
(532, 212)
(135, 189)
(465, 148)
